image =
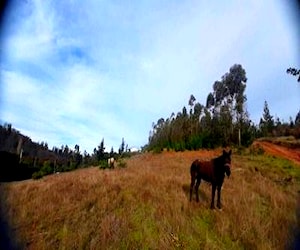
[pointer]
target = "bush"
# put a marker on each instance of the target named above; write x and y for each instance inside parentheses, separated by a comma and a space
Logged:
(103, 164)
(157, 150)
(179, 146)
(122, 163)
(37, 175)
(46, 169)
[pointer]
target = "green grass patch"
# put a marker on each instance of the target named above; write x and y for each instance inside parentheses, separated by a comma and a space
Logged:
(274, 167)
(144, 230)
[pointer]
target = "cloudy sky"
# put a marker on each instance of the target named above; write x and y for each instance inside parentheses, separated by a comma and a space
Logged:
(75, 72)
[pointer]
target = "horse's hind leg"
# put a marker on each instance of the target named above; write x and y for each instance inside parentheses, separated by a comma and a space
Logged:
(193, 178)
(219, 197)
(197, 189)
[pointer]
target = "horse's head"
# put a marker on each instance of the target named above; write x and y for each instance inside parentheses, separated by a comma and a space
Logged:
(227, 162)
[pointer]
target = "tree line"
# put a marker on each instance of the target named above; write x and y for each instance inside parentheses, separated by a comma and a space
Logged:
(21, 158)
(222, 121)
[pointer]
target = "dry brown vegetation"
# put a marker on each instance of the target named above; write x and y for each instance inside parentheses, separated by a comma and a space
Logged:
(146, 206)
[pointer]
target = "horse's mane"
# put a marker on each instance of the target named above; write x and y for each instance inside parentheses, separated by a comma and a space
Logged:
(217, 159)
(217, 162)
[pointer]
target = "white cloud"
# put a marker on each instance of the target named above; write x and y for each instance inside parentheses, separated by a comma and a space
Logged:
(74, 73)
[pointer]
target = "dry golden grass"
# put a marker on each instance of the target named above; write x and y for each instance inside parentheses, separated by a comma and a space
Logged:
(146, 206)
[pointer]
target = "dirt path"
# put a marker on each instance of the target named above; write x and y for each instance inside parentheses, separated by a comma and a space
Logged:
(281, 151)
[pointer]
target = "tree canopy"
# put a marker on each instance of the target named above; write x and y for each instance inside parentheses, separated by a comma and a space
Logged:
(294, 72)
(214, 124)
(222, 121)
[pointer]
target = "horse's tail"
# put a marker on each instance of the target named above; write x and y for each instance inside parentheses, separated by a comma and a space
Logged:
(194, 167)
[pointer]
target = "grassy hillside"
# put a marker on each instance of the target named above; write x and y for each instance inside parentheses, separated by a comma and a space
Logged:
(146, 206)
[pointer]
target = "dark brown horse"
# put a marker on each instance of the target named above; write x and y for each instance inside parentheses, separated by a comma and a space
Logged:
(211, 171)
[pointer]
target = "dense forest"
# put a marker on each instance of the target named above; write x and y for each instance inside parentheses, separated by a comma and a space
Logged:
(222, 121)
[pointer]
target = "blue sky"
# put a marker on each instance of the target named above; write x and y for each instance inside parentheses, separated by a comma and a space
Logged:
(74, 72)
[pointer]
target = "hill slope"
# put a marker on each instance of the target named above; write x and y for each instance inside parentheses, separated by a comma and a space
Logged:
(146, 206)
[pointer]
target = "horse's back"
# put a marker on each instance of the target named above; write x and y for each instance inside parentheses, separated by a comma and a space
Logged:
(202, 169)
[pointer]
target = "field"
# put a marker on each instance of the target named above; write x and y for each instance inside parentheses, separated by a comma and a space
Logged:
(146, 206)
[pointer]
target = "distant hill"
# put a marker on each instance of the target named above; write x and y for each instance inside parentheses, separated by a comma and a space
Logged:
(21, 157)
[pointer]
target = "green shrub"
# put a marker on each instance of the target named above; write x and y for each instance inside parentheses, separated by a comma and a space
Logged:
(46, 168)
(103, 164)
(157, 150)
(179, 146)
(37, 175)
(122, 163)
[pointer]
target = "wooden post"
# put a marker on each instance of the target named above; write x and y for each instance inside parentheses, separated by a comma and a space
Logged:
(21, 155)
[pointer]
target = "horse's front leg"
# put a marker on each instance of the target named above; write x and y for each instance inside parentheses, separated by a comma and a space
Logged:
(213, 191)
(219, 197)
